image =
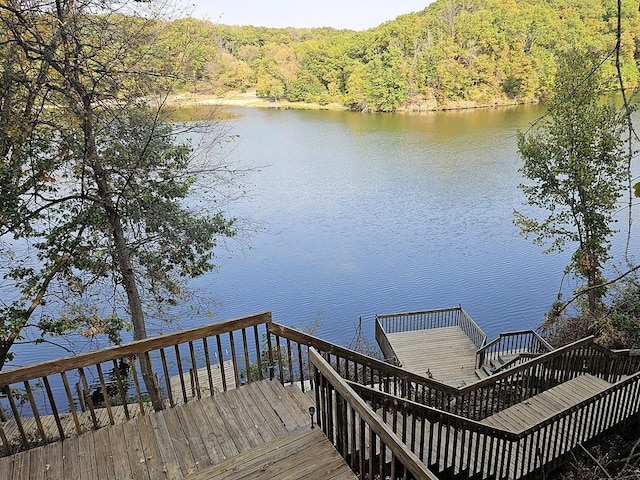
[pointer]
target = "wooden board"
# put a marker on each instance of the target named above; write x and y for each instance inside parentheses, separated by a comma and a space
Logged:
(239, 429)
(302, 454)
(444, 354)
(534, 410)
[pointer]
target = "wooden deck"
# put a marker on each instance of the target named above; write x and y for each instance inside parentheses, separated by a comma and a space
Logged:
(221, 379)
(518, 418)
(444, 354)
(545, 405)
(85, 420)
(261, 430)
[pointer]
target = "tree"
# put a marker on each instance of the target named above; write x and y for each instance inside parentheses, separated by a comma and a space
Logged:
(94, 186)
(577, 166)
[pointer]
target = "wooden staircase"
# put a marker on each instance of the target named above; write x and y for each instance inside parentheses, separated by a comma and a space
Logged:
(302, 454)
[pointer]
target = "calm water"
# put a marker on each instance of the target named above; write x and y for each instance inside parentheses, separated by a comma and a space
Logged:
(365, 214)
(371, 214)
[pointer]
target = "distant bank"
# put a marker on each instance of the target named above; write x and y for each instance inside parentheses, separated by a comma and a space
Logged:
(249, 99)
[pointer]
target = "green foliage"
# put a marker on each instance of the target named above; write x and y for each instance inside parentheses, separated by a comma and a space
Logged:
(577, 168)
(96, 201)
(481, 51)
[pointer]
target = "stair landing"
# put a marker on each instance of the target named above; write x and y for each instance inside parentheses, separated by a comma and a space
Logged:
(444, 354)
(545, 405)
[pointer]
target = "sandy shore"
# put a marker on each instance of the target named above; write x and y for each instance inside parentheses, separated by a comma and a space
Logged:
(248, 99)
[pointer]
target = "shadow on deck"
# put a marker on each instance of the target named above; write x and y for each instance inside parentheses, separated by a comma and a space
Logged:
(534, 407)
(261, 430)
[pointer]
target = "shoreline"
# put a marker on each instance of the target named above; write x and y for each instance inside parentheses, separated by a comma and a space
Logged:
(250, 100)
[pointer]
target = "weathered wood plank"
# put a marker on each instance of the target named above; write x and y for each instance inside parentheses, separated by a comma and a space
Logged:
(21, 466)
(302, 402)
(275, 398)
(134, 348)
(135, 451)
(255, 433)
(191, 430)
(260, 412)
(303, 453)
(104, 457)
(37, 464)
(87, 457)
(534, 410)
(185, 441)
(171, 465)
(178, 441)
(219, 428)
(70, 459)
(208, 435)
(119, 453)
(444, 354)
(52, 456)
(235, 430)
(150, 453)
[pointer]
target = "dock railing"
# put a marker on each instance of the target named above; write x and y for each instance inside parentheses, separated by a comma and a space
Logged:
(449, 443)
(511, 348)
(43, 402)
(368, 445)
(443, 441)
(425, 320)
(65, 397)
(477, 400)
(484, 397)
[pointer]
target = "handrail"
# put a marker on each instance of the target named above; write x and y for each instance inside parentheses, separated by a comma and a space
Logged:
(609, 391)
(445, 442)
(423, 320)
(474, 425)
(475, 400)
(419, 312)
(509, 343)
(382, 431)
(185, 366)
(513, 371)
(352, 355)
(510, 363)
(541, 339)
(510, 334)
(513, 454)
(56, 399)
(138, 347)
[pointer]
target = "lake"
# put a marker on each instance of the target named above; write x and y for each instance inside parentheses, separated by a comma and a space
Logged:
(381, 213)
(364, 214)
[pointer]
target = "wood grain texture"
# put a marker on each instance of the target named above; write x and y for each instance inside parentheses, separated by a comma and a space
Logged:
(444, 354)
(261, 430)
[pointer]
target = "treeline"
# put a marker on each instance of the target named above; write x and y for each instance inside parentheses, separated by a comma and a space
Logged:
(453, 53)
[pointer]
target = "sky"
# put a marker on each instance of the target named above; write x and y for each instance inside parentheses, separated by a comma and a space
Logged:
(351, 14)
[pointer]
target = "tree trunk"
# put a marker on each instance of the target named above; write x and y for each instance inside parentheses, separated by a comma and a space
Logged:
(123, 258)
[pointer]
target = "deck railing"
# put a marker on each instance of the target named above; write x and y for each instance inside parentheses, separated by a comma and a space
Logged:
(443, 441)
(56, 399)
(424, 320)
(511, 348)
(459, 446)
(53, 400)
(368, 445)
(482, 398)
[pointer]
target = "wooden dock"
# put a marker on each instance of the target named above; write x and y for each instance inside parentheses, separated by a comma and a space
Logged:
(262, 430)
(444, 354)
(545, 405)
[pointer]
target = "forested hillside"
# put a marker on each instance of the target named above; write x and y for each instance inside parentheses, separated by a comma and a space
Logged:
(454, 53)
